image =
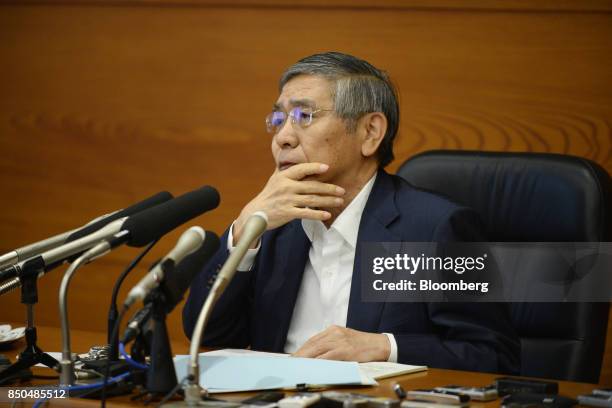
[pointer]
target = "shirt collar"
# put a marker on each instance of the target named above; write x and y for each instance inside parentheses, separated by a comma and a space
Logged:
(347, 223)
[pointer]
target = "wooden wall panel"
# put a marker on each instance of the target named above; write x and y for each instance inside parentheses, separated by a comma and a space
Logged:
(106, 102)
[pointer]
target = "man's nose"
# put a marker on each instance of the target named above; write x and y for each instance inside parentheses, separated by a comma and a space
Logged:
(287, 136)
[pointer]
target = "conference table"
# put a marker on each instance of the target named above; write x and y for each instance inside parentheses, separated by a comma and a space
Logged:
(49, 339)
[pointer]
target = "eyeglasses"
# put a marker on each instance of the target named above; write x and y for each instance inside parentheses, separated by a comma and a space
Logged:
(299, 116)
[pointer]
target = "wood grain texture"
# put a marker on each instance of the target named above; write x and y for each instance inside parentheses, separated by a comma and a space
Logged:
(554, 6)
(104, 103)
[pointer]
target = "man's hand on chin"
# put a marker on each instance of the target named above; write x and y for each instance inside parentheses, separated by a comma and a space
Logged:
(341, 343)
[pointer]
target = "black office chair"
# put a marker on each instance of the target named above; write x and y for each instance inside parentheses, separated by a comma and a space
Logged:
(534, 197)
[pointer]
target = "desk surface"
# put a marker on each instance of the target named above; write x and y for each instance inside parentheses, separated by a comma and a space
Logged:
(49, 339)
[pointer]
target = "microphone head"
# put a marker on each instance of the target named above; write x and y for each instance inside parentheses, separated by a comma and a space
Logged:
(178, 280)
(188, 243)
(152, 201)
(255, 225)
(157, 221)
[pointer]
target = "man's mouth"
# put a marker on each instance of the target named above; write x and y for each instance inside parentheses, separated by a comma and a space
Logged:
(285, 165)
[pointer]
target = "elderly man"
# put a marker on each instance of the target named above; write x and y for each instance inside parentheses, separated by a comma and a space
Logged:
(332, 129)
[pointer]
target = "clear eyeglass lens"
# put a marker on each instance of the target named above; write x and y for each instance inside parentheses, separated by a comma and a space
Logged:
(301, 116)
(275, 121)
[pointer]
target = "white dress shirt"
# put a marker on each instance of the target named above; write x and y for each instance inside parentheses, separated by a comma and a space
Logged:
(323, 297)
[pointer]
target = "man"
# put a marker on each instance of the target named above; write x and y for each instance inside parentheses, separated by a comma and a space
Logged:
(332, 128)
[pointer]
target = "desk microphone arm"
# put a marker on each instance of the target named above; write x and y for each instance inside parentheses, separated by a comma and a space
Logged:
(67, 375)
(253, 228)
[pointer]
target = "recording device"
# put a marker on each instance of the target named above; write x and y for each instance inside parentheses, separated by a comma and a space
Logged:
(537, 400)
(301, 400)
(28, 251)
(399, 391)
(188, 243)
(382, 402)
(488, 393)
(438, 397)
(136, 230)
(335, 399)
(596, 400)
(267, 399)
(428, 404)
(509, 385)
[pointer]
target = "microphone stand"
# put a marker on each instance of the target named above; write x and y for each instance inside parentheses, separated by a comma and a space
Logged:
(254, 227)
(161, 377)
(67, 375)
(32, 354)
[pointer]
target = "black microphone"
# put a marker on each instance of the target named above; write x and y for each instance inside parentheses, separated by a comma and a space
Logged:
(179, 279)
(137, 323)
(32, 250)
(136, 231)
(150, 202)
(157, 221)
(175, 284)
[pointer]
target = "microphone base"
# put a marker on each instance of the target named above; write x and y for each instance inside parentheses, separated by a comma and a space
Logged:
(116, 367)
(161, 376)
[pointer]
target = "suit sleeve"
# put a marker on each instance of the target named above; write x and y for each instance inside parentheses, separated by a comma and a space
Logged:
(466, 336)
(228, 325)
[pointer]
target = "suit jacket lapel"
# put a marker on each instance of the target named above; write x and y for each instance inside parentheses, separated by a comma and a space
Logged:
(281, 294)
(379, 212)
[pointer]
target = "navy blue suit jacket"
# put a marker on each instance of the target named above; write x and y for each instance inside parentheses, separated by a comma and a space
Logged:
(257, 306)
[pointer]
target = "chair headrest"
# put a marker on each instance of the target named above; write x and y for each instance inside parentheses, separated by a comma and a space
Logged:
(521, 196)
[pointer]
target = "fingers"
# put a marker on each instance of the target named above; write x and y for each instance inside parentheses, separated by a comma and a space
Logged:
(333, 355)
(287, 196)
(341, 343)
(316, 201)
(321, 342)
(299, 171)
(310, 214)
(314, 349)
(317, 187)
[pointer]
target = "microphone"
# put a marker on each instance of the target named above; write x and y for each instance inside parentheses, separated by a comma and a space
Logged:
(137, 323)
(29, 251)
(175, 284)
(254, 227)
(157, 221)
(178, 280)
(188, 243)
(136, 230)
(36, 248)
(150, 202)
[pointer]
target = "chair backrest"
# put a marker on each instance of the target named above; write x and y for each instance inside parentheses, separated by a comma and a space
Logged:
(534, 197)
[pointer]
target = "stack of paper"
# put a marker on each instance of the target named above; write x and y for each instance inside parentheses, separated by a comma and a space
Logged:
(234, 370)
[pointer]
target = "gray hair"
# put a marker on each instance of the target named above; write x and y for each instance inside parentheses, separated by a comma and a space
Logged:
(360, 88)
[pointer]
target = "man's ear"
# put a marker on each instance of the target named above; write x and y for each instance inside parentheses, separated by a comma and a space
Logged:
(374, 127)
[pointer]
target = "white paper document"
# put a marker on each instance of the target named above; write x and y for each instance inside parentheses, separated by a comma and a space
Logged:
(233, 370)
